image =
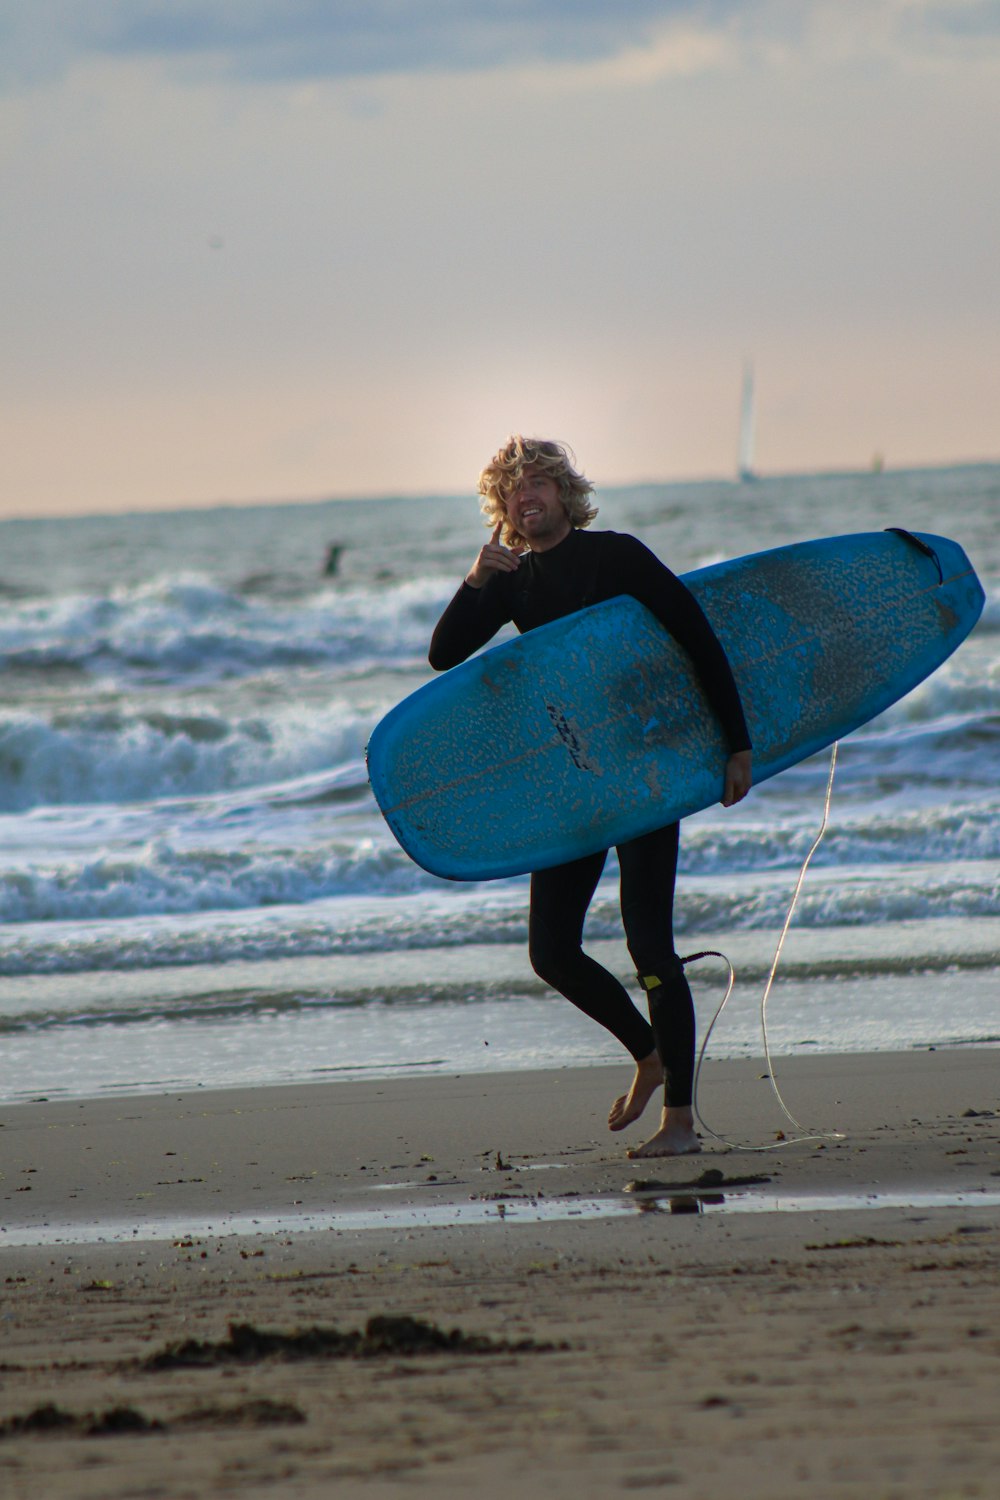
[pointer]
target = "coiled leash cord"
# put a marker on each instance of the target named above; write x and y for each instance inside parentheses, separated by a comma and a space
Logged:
(804, 1135)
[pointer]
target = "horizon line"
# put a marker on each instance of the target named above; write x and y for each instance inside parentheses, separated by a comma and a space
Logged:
(184, 507)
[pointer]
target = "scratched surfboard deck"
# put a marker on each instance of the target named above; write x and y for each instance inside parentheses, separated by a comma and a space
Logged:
(594, 729)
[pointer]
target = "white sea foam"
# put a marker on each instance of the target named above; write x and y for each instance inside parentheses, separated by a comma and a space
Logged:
(179, 629)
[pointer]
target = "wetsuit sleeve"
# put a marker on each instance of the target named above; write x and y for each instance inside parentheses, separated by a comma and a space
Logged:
(674, 605)
(471, 619)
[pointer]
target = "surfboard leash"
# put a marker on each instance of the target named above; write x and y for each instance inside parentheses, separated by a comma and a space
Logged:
(805, 1135)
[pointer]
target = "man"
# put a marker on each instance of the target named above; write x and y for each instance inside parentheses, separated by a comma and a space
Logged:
(540, 564)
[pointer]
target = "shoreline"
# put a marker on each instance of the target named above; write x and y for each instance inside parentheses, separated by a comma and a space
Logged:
(273, 1023)
(642, 1337)
(329, 1145)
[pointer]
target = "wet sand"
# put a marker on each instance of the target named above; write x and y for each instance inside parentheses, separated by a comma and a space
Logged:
(463, 1286)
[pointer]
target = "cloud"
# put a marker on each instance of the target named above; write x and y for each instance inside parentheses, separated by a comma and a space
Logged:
(973, 20)
(269, 40)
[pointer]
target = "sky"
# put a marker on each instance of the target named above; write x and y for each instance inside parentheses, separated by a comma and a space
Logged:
(295, 249)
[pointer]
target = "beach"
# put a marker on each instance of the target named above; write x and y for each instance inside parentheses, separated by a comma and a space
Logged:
(307, 1187)
(190, 1281)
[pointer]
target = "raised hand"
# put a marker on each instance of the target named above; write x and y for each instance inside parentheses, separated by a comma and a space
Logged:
(494, 558)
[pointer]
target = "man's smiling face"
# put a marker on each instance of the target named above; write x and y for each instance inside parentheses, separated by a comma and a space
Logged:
(536, 510)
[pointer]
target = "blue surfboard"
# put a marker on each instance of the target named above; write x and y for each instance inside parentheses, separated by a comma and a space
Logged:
(593, 730)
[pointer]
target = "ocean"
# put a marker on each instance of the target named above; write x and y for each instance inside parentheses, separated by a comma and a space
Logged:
(197, 889)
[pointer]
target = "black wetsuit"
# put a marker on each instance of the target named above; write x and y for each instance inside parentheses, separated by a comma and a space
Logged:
(588, 568)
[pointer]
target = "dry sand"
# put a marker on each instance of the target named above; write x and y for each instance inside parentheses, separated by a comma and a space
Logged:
(607, 1341)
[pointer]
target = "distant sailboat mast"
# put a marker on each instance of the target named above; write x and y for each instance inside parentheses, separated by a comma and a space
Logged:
(747, 423)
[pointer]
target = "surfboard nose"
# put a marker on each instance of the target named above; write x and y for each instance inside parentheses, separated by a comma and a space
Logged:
(948, 557)
(957, 577)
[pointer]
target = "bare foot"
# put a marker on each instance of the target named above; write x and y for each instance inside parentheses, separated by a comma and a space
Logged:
(628, 1107)
(675, 1137)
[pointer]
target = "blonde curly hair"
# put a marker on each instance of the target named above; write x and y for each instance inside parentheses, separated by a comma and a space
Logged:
(504, 473)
